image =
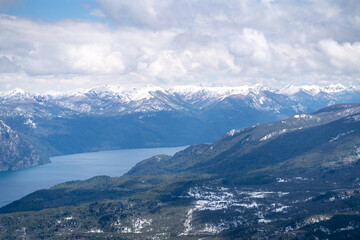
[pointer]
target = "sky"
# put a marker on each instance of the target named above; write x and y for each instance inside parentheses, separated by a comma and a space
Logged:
(68, 44)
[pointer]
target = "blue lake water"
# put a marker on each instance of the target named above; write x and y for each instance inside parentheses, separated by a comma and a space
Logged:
(17, 184)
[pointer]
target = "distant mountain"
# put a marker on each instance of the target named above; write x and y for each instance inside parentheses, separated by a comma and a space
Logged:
(296, 178)
(114, 101)
(111, 117)
(15, 153)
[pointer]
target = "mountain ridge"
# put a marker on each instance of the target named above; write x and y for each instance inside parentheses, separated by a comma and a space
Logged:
(271, 143)
(193, 94)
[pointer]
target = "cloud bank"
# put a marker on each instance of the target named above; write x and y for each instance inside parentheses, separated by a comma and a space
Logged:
(162, 42)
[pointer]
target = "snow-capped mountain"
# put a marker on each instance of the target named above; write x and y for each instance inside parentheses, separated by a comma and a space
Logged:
(111, 117)
(314, 89)
(114, 100)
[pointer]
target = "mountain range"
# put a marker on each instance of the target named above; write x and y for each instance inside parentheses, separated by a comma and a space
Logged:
(111, 100)
(110, 117)
(295, 178)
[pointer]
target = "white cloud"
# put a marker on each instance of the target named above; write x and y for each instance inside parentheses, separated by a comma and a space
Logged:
(97, 13)
(343, 58)
(185, 42)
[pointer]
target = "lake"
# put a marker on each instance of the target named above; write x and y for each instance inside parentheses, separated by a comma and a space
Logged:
(17, 184)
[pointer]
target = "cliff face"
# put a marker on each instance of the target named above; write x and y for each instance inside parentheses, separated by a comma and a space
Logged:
(15, 153)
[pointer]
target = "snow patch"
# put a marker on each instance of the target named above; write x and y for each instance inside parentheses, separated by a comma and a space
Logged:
(136, 225)
(93, 230)
(352, 158)
(233, 132)
(303, 116)
(245, 205)
(30, 122)
(341, 135)
(270, 135)
(210, 228)
(347, 228)
(140, 223)
(281, 180)
(316, 219)
(280, 209)
(301, 178)
(263, 220)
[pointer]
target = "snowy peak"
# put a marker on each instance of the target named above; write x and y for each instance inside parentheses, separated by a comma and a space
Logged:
(309, 89)
(106, 88)
(134, 94)
(137, 94)
(314, 90)
(335, 88)
(14, 94)
(216, 92)
(127, 95)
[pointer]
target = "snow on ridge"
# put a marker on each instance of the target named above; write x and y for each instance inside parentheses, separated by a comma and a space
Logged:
(185, 90)
(219, 92)
(15, 93)
(289, 90)
(309, 89)
(136, 94)
(107, 88)
(80, 92)
(315, 89)
(341, 135)
(150, 98)
(335, 88)
(125, 94)
(270, 135)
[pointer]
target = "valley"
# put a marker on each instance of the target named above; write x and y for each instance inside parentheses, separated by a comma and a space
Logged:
(111, 117)
(296, 178)
(179, 120)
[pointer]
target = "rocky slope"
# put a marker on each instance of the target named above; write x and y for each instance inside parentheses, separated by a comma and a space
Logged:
(15, 153)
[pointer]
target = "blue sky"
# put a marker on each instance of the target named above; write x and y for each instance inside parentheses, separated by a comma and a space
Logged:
(53, 10)
(64, 44)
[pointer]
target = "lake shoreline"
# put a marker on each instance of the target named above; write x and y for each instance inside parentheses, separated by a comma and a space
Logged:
(80, 166)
